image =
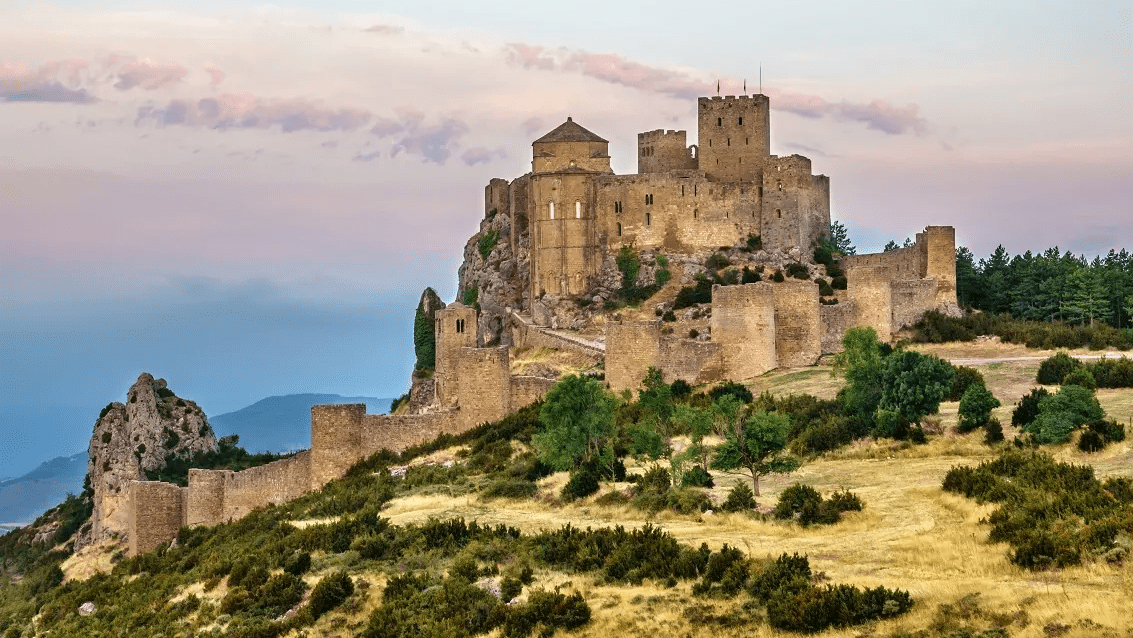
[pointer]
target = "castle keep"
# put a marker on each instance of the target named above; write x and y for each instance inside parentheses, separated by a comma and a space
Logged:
(549, 237)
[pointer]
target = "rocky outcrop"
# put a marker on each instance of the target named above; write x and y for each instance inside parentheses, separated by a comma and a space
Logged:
(499, 273)
(130, 438)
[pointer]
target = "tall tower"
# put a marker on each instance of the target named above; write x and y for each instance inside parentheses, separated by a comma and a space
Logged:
(455, 329)
(735, 137)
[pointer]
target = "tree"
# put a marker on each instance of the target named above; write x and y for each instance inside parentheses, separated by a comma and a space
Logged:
(968, 291)
(862, 364)
(698, 423)
(755, 445)
(975, 407)
(840, 239)
(913, 384)
(1065, 410)
(890, 246)
(576, 424)
(629, 264)
(424, 332)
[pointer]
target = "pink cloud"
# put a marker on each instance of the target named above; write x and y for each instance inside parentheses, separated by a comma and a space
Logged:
(56, 81)
(385, 29)
(216, 76)
(481, 155)
(878, 114)
(147, 75)
(434, 142)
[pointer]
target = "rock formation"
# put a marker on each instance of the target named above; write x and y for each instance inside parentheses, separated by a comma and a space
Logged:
(502, 279)
(136, 436)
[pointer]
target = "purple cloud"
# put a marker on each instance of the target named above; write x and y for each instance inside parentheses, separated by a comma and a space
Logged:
(243, 110)
(434, 142)
(481, 155)
(385, 29)
(878, 115)
(50, 82)
(147, 75)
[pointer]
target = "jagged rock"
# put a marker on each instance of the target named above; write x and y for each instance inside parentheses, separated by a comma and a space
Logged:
(130, 438)
(421, 394)
(501, 279)
(87, 608)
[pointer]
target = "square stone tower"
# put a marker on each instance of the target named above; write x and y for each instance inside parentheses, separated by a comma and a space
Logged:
(455, 328)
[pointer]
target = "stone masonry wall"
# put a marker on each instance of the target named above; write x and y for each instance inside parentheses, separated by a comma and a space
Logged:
(527, 390)
(396, 432)
(156, 512)
(632, 347)
(525, 335)
(276, 482)
(869, 288)
(205, 497)
(485, 380)
(798, 332)
(696, 362)
(910, 300)
(744, 324)
(336, 436)
(835, 321)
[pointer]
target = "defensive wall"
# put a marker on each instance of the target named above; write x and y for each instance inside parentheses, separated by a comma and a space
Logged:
(525, 334)
(476, 387)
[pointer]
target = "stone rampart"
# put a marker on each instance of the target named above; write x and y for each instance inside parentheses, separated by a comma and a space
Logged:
(205, 497)
(157, 511)
(632, 347)
(276, 482)
(396, 432)
(910, 299)
(335, 438)
(527, 390)
(744, 324)
(869, 288)
(525, 335)
(798, 331)
(835, 321)
(695, 362)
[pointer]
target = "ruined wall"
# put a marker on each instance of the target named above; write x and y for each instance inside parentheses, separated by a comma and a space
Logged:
(632, 347)
(696, 362)
(835, 320)
(734, 136)
(525, 335)
(869, 288)
(485, 384)
(798, 331)
(205, 497)
(662, 151)
(156, 512)
(527, 390)
(276, 482)
(396, 432)
(796, 204)
(744, 324)
(940, 261)
(910, 299)
(335, 439)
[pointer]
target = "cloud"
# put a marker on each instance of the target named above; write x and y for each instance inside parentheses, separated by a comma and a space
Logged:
(146, 75)
(481, 155)
(532, 125)
(244, 110)
(51, 82)
(385, 29)
(216, 76)
(877, 115)
(434, 142)
(807, 149)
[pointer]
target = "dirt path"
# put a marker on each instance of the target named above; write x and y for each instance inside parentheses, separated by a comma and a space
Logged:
(982, 362)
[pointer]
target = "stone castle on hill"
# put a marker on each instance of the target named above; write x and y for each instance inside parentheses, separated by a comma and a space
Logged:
(546, 252)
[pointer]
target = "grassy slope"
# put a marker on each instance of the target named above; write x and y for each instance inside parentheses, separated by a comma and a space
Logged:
(911, 535)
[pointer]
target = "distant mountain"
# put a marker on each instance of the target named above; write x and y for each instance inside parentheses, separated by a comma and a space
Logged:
(24, 498)
(283, 424)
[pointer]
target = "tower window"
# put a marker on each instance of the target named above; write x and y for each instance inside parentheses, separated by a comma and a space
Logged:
(779, 185)
(578, 210)
(710, 141)
(694, 188)
(617, 207)
(741, 120)
(648, 219)
(682, 190)
(779, 213)
(551, 207)
(729, 141)
(747, 141)
(761, 191)
(460, 325)
(619, 229)
(719, 121)
(695, 213)
(649, 199)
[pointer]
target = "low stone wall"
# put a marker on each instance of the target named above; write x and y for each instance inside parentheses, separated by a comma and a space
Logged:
(157, 511)
(695, 362)
(835, 321)
(527, 390)
(276, 482)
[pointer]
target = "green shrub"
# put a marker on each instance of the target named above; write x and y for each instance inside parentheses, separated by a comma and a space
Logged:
(975, 408)
(1053, 370)
(681, 388)
(583, 482)
(963, 378)
(656, 480)
(993, 432)
(669, 316)
(754, 242)
(297, 563)
(778, 277)
(1028, 407)
(795, 499)
(1060, 413)
(510, 588)
(1081, 376)
(546, 611)
(837, 282)
(798, 271)
(730, 277)
(1091, 441)
(471, 296)
(740, 499)
(816, 609)
(749, 276)
(697, 477)
(737, 390)
(846, 501)
(790, 573)
(716, 261)
(699, 293)
(487, 242)
(510, 488)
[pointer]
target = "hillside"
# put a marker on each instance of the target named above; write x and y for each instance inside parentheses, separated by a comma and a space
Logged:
(24, 498)
(396, 538)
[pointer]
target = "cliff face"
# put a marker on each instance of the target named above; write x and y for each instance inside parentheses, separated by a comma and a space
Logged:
(498, 272)
(135, 436)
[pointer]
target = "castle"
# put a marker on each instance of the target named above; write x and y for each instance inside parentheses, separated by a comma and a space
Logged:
(570, 214)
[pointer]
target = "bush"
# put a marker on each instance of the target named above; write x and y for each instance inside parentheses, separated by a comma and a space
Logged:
(846, 501)
(510, 488)
(692, 334)
(487, 242)
(749, 276)
(1091, 441)
(754, 242)
(963, 378)
(1059, 414)
(669, 316)
(1082, 377)
(1028, 407)
(1053, 370)
(583, 482)
(699, 293)
(716, 261)
(816, 609)
(548, 611)
(778, 277)
(740, 499)
(298, 563)
(975, 408)
(838, 282)
(656, 480)
(737, 390)
(993, 432)
(798, 271)
(697, 477)
(795, 499)
(510, 588)
(681, 388)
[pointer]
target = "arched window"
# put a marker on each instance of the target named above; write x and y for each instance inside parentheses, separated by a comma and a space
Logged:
(741, 120)
(719, 121)
(578, 210)
(460, 325)
(695, 213)
(779, 213)
(648, 219)
(619, 229)
(551, 206)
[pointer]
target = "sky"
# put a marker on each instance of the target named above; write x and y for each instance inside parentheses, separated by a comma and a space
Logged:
(247, 199)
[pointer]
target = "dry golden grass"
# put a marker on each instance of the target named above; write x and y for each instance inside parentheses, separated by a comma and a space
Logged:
(91, 560)
(549, 362)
